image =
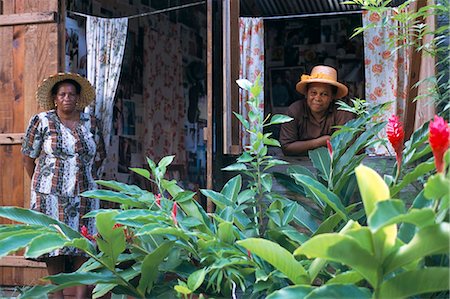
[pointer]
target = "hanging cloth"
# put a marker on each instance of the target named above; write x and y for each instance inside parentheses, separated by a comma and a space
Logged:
(251, 38)
(105, 39)
(386, 70)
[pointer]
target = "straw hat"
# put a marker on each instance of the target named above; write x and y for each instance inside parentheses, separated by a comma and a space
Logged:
(322, 74)
(44, 91)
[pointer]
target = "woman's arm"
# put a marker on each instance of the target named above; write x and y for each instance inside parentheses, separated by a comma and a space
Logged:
(301, 147)
(29, 165)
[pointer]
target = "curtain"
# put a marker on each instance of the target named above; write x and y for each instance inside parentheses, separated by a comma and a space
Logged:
(105, 40)
(163, 93)
(251, 37)
(386, 70)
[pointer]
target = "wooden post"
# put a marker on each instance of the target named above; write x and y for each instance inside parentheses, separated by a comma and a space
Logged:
(414, 74)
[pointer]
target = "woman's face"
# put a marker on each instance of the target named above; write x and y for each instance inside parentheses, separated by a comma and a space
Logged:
(319, 97)
(66, 98)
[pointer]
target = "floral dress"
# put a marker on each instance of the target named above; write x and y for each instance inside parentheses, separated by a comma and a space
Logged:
(64, 169)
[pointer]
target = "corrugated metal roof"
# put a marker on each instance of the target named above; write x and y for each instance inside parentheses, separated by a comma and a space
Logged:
(270, 8)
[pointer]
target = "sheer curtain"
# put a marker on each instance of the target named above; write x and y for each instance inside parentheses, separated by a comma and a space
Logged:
(386, 70)
(251, 42)
(105, 39)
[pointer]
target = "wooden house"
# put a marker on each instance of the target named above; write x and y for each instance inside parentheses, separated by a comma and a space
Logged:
(33, 45)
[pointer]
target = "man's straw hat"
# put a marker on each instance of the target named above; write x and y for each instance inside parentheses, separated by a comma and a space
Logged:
(44, 91)
(322, 74)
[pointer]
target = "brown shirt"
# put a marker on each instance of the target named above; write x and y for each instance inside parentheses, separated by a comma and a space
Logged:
(305, 127)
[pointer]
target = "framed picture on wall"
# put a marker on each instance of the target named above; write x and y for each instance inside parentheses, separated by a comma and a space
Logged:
(282, 87)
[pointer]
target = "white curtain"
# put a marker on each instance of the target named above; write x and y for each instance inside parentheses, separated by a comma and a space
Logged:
(105, 40)
(251, 37)
(386, 70)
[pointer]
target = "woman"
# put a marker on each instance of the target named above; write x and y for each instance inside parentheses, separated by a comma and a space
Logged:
(315, 117)
(62, 148)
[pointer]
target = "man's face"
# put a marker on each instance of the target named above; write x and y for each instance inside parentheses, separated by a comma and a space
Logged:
(319, 97)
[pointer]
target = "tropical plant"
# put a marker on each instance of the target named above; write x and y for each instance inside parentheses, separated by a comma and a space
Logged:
(382, 259)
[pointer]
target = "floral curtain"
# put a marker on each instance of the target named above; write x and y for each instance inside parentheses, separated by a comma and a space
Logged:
(386, 70)
(163, 92)
(251, 37)
(105, 39)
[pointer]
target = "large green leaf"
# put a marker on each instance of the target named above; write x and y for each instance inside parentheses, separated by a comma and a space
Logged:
(416, 282)
(356, 146)
(232, 188)
(303, 217)
(218, 198)
(289, 183)
(17, 241)
(323, 193)
(114, 196)
(429, 240)
(416, 142)
(225, 232)
(342, 249)
(321, 161)
(291, 292)
(347, 291)
(112, 240)
(102, 289)
(122, 187)
(44, 244)
(412, 176)
(346, 277)
(83, 278)
(437, 187)
(196, 279)
(373, 189)
(393, 211)
(33, 217)
(40, 291)
(279, 119)
(150, 265)
(278, 257)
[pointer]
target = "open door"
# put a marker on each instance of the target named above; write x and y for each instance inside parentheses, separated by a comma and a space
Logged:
(31, 48)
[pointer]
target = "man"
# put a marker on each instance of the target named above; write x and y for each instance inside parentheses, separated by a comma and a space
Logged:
(315, 117)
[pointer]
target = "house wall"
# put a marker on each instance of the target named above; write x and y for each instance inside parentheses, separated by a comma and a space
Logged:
(30, 50)
(139, 96)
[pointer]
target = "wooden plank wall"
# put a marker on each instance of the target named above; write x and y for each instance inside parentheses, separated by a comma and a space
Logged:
(29, 52)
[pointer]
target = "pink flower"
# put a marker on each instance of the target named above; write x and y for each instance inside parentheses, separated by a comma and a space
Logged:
(439, 140)
(396, 135)
(330, 148)
(174, 213)
(85, 233)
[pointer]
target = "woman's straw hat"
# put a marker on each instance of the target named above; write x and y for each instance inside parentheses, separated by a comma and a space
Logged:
(322, 74)
(44, 91)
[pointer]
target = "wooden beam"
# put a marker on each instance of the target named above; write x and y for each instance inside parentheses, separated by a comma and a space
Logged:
(20, 261)
(208, 133)
(11, 138)
(414, 74)
(28, 18)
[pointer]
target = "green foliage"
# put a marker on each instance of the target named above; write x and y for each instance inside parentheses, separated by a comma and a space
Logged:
(258, 242)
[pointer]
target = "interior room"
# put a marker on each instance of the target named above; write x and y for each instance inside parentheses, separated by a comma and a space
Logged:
(160, 101)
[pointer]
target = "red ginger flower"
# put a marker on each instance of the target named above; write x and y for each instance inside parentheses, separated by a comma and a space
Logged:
(439, 140)
(330, 148)
(174, 213)
(158, 200)
(85, 233)
(396, 135)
